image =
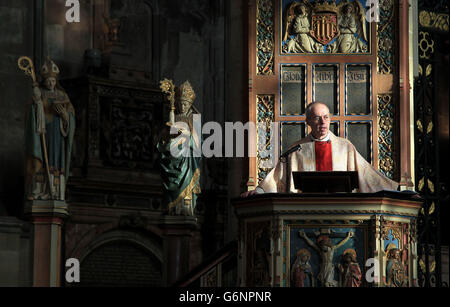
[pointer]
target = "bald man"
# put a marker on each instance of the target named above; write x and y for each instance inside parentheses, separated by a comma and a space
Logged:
(323, 151)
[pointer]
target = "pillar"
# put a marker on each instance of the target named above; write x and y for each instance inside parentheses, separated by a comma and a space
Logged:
(47, 217)
(177, 231)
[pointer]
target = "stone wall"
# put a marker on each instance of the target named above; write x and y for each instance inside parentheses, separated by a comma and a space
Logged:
(203, 41)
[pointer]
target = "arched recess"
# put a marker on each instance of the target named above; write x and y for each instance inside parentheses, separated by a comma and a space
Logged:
(122, 258)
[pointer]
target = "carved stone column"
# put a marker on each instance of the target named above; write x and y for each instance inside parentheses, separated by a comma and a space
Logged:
(47, 217)
(177, 231)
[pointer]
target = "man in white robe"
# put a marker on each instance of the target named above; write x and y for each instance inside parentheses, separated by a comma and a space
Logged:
(342, 156)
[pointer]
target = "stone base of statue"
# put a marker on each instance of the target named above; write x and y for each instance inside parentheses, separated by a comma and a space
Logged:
(47, 217)
(177, 232)
(328, 240)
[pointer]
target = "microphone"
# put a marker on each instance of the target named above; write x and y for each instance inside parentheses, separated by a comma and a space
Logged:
(289, 151)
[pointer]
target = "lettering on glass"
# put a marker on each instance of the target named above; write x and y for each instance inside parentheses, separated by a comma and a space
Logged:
(326, 86)
(358, 90)
(293, 77)
(293, 90)
(357, 76)
(325, 77)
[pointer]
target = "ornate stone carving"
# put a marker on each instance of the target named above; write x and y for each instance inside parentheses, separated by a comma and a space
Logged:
(386, 140)
(434, 20)
(325, 27)
(385, 37)
(265, 37)
(258, 254)
(426, 45)
(265, 116)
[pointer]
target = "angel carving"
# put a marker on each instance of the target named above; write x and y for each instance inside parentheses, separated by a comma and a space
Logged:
(352, 27)
(298, 25)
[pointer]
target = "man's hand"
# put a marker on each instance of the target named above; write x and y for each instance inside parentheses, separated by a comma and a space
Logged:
(249, 193)
(36, 93)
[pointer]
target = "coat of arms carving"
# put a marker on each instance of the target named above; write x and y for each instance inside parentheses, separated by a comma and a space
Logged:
(325, 27)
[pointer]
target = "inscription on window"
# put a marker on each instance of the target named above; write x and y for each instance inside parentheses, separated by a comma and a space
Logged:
(358, 90)
(293, 89)
(326, 86)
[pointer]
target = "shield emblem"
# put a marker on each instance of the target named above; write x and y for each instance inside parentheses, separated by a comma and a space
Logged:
(324, 27)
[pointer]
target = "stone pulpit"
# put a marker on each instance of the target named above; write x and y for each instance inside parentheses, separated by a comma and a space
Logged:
(328, 240)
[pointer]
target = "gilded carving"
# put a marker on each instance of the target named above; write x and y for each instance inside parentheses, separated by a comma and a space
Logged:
(426, 45)
(325, 27)
(396, 233)
(385, 37)
(386, 148)
(396, 273)
(265, 37)
(433, 20)
(265, 117)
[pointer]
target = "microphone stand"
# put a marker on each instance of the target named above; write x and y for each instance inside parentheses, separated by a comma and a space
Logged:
(284, 159)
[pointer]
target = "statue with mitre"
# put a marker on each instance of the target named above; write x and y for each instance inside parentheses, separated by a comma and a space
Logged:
(49, 132)
(179, 149)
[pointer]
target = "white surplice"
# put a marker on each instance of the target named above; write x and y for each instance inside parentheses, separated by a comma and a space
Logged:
(345, 157)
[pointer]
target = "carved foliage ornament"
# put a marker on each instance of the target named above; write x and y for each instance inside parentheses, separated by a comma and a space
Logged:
(265, 117)
(385, 37)
(434, 20)
(265, 37)
(386, 115)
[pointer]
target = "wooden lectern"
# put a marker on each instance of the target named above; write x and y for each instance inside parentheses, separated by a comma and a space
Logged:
(284, 239)
(325, 182)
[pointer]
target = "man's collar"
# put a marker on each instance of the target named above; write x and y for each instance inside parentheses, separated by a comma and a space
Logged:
(325, 139)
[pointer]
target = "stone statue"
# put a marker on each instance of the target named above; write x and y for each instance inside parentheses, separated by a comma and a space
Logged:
(179, 148)
(49, 132)
(395, 270)
(302, 42)
(350, 272)
(326, 251)
(301, 271)
(352, 27)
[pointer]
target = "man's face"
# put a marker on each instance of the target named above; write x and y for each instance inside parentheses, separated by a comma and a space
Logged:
(319, 121)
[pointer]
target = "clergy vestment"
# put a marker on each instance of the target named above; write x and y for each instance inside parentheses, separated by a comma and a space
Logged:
(344, 157)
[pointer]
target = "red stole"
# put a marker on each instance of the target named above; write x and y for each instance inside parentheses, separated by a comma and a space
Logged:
(323, 156)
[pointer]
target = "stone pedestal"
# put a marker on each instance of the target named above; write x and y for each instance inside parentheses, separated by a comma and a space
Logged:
(47, 217)
(177, 231)
(294, 240)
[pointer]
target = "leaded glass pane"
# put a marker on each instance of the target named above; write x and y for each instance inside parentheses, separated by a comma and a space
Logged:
(293, 89)
(359, 133)
(290, 133)
(334, 127)
(358, 90)
(326, 86)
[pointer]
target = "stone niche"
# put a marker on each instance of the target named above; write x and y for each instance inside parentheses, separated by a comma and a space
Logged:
(127, 34)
